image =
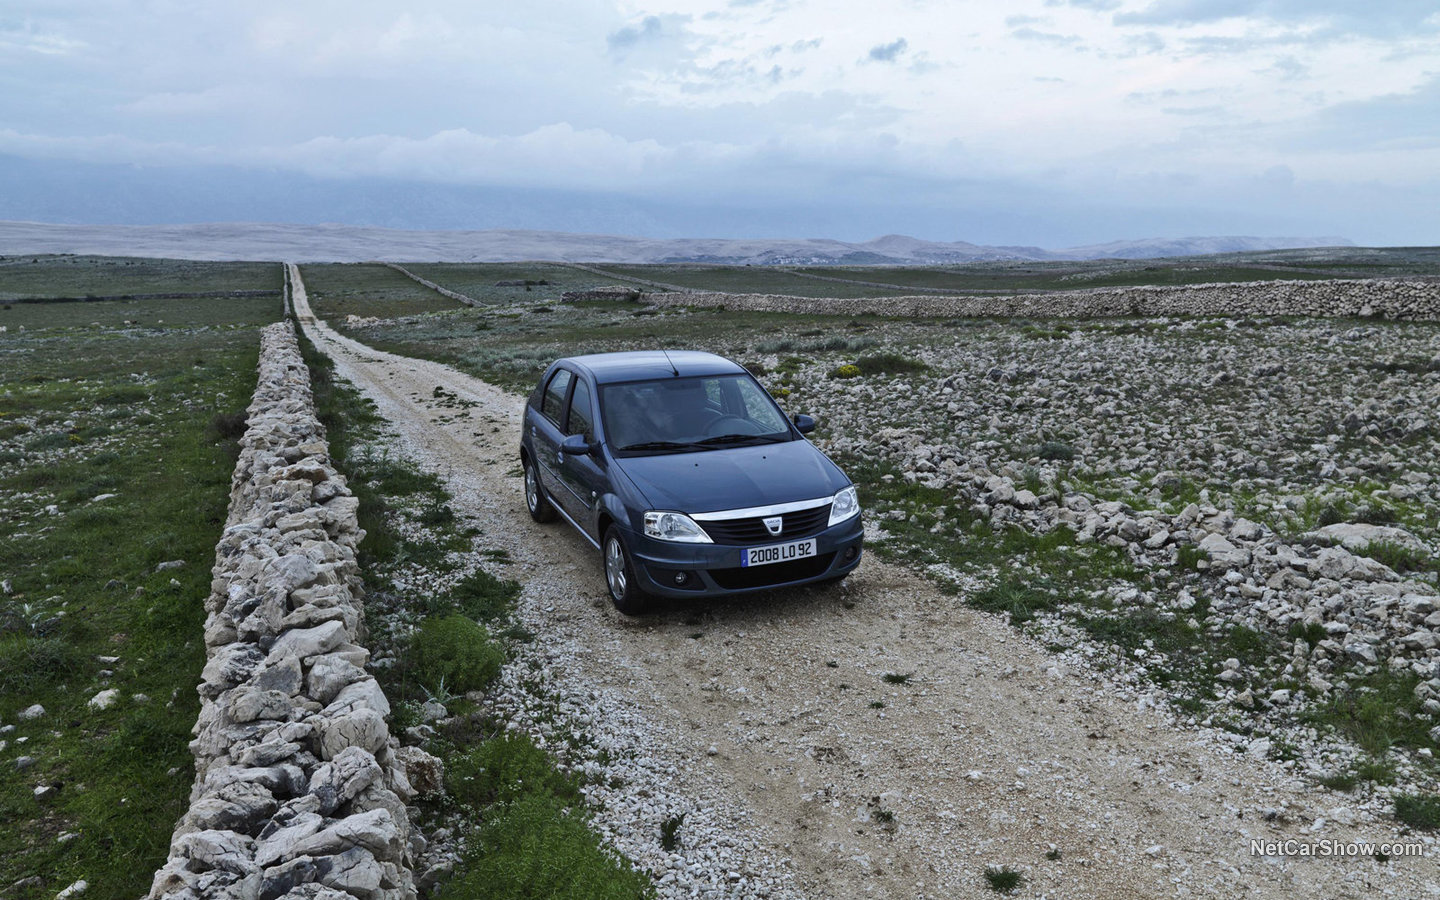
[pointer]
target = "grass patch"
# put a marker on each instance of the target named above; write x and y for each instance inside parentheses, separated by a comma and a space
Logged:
(505, 768)
(456, 652)
(1020, 601)
(1418, 811)
(1400, 557)
(537, 846)
(481, 595)
(1377, 712)
(1003, 879)
(30, 665)
(85, 586)
(1341, 781)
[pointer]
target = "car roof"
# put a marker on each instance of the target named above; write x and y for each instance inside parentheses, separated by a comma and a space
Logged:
(636, 365)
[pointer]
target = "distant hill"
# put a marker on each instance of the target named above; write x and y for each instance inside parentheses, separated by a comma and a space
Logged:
(348, 243)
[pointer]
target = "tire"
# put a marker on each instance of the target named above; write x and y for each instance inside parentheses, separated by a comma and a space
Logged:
(620, 578)
(535, 500)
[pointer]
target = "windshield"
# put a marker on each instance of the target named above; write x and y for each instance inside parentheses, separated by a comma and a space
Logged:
(685, 414)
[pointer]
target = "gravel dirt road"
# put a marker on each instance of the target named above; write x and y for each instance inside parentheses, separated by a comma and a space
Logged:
(991, 754)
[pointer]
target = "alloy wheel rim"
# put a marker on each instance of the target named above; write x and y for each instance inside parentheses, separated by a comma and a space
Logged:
(532, 489)
(615, 567)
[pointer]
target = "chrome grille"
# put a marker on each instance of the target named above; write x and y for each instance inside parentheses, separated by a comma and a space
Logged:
(751, 530)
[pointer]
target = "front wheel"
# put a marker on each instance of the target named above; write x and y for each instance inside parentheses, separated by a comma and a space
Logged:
(535, 500)
(625, 591)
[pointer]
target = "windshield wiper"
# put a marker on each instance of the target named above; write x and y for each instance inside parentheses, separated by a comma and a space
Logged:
(659, 445)
(737, 438)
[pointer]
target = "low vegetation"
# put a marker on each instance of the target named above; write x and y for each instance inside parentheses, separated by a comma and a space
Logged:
(441, 626)
(116, 451)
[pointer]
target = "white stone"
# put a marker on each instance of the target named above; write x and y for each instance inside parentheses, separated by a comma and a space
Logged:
(103, 700)
(76, 888)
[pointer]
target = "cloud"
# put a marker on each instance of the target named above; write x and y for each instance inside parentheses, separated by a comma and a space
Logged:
(650, 29)
(27, 37)
(1096, 5)
(1371, 17)
(1287, 68)
(1401, 121)
(888, 52)
(1045, 37)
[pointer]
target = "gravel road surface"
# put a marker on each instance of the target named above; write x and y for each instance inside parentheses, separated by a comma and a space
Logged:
(772, 717)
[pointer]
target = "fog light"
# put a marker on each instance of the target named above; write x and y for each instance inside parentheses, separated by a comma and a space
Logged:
(681, 578)
(851, 553)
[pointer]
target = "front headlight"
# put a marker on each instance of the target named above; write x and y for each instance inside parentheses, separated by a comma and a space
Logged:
(673, 526)
(845, 505)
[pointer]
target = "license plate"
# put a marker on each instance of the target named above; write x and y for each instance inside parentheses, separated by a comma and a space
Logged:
(777, 553)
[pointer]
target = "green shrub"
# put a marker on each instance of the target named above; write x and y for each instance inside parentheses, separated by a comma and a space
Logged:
(31, 664)
(505, 768)
(1188, 557)
(1418, 812)
(538, 848)
(889, 364)
(1400, 557)
(1055, 450)
(458, 652)
(122, 395)
(846, 371)
(1311, 632)
(481, 595)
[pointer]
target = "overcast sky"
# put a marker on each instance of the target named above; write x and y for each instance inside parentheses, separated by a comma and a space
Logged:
(1035, 121)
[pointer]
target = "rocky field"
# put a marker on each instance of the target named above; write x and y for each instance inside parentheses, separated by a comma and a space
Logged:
(1234, 517)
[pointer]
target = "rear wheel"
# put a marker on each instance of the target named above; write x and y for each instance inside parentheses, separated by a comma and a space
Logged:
(535, 500)
(625, 590)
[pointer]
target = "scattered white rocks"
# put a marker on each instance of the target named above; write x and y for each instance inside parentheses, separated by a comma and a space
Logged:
(299, 790)
(31, 713)
(1341, 298)
(1268, 426)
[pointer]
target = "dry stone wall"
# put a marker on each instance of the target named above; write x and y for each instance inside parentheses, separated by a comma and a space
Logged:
(453, 295)
(1342, 298)
(299, 789)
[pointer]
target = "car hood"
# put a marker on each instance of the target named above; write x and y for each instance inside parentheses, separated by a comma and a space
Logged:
(734, 478)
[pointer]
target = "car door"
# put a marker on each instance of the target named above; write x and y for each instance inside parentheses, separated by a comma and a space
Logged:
(582, 474)
(545, 432)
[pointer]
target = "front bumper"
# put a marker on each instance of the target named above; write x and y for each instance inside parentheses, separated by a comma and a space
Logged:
(715, 570)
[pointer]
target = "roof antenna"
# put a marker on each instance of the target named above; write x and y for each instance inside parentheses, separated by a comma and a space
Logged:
(673, 370)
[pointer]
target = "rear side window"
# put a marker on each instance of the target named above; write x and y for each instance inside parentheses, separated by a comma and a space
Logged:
(552, 405)
(581, 421)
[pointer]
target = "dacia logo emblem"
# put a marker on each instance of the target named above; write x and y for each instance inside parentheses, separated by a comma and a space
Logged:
(774, 524)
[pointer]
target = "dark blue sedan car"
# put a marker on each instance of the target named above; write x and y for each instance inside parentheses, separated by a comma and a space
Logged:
(679, 467)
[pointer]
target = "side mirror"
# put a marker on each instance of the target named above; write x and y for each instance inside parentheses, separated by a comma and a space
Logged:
(575, 445)
(804, 424)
